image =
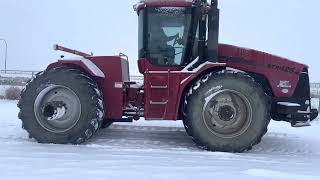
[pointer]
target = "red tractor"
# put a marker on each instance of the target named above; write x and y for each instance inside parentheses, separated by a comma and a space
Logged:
(225, 95)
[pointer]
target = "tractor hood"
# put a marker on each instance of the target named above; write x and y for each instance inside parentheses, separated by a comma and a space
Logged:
(282, 74)
(238, 56)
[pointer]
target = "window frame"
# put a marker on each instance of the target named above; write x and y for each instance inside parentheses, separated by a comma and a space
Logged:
(145, 54)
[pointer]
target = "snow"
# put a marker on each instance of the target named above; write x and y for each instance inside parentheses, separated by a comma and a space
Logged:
(315, 103)
(278, 175)
(170, 10)
(155, 150)
(289, 104)
(190, 65)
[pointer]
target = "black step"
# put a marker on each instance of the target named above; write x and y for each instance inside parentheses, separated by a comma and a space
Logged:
(126, 119)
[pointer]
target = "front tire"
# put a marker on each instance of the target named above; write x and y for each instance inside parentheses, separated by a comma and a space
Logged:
(227, 111)
(61, 106)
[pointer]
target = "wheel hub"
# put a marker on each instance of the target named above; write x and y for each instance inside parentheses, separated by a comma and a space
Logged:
(57, 108)
(227, 113)
(49, 111)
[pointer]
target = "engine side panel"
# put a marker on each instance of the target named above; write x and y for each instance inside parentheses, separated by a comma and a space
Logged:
(116, 71)
(282, 74)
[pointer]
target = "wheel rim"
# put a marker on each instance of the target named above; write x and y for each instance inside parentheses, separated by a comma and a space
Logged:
(57, 108)
(227, 113)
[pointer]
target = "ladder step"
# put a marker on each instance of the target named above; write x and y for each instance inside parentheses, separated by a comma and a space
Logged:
(300, 124)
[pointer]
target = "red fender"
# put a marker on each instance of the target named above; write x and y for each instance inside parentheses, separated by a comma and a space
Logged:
(85, 64)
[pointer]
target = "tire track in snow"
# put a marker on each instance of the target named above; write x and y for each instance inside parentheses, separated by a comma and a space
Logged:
(153, 137)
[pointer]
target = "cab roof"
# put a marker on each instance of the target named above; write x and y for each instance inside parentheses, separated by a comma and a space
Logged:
(162, 3)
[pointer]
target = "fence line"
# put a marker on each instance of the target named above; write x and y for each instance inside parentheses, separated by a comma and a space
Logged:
(315, 85)
(19, 72)
(315, 89)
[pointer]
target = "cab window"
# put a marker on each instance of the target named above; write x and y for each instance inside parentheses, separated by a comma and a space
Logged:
(168, 30)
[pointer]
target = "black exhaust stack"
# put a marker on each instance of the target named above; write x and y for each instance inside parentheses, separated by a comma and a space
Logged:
(202, 33)
(208, 23)
(213, 32)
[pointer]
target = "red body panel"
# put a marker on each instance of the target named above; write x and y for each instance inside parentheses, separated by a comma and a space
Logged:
(273, 68)
(113, 97)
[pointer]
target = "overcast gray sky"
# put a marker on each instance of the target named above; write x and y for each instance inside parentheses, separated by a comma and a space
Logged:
(288, 28)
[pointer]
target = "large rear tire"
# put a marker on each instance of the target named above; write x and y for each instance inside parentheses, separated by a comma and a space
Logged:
(227, 111)
(61, 106)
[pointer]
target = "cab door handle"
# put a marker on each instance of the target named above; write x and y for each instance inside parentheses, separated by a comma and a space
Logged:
(159, 103)
(159, 87)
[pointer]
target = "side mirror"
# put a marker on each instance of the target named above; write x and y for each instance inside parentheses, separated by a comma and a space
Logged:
(142, 65)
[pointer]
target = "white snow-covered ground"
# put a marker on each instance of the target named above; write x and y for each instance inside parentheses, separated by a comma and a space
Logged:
(315, 102)
(155, 150)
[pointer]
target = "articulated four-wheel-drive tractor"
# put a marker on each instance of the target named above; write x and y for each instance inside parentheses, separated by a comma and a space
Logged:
(225, 95)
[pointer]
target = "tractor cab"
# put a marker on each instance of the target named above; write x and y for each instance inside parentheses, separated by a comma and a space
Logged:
(169, 33)
(165, 33)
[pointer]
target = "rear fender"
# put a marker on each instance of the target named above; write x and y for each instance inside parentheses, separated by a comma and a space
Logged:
(192, 78)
